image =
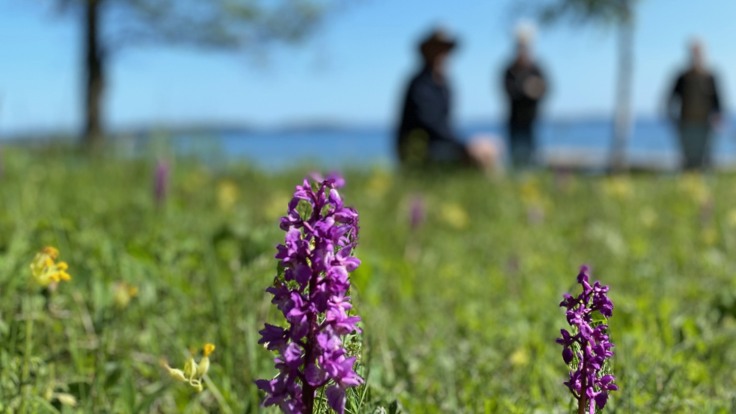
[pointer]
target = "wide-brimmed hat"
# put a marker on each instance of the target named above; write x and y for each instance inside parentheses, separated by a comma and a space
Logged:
(437, 41)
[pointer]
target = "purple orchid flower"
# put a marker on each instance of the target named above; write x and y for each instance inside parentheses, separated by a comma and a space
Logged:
(311, 291)
(587, 348)
(417, 212)
(160, 182)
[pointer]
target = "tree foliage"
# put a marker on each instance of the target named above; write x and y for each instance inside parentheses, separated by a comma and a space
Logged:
(224, 25)
(584, 11)
(213, 24)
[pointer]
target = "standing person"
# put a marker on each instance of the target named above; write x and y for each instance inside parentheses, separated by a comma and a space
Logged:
(694, 106)
(425, 134)
(525, 86)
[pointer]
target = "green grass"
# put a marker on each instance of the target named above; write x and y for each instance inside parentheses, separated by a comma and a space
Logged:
(459, 316)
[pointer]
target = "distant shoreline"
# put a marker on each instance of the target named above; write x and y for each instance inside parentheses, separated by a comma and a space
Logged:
(327, 127)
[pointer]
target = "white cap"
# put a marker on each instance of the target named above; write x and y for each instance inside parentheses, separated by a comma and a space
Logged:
(525, 31)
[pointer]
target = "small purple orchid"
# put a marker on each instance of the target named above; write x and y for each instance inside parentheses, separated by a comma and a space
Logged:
(160, 182)
(311, 291)
(417, 212)
(587, 349)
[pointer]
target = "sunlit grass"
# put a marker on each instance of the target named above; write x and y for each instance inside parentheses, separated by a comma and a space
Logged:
(460, 314)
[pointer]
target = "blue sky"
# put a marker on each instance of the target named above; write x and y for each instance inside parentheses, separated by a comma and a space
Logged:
(353, 69)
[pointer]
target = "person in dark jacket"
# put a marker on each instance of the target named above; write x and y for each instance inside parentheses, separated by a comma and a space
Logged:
(425, 134)
(525, 86)
(694, 106)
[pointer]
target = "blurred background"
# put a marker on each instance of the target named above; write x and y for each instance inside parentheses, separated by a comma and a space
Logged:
(321, 81)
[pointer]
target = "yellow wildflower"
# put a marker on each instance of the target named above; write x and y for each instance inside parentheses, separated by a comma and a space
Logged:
(519, 358)
(123, 293)
(193, 372)
(204, 363)
(46, 271)
(454, 215)
(208, 349)
(530, 191)
(618, 187)
(227, 194)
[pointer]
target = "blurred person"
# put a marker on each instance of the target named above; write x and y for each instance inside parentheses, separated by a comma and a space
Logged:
(525, 86)
(694, 106)
(425, 134)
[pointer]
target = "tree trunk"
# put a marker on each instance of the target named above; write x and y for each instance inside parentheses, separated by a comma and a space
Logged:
(622, 125)
(95, 77)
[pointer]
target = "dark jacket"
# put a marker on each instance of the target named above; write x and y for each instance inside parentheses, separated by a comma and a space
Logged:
(522, 106)
(696, 93)
(426, 114)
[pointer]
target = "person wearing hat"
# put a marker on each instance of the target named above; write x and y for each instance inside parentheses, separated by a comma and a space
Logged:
(525, 86)
(425, 134)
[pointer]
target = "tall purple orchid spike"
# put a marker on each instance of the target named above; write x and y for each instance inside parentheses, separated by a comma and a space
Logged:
(417, 212)
(587, 348)
(311, 291)
(160, 182)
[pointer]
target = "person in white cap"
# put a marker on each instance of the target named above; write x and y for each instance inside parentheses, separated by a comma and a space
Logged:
(525, 86)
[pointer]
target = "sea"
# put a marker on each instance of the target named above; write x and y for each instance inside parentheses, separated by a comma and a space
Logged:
(652, 144)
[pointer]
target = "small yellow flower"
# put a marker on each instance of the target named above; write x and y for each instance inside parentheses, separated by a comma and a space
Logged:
(46, 271)
(454, 215)
(52, 252)
(193, 372)
(618, 188)
(227, 194)
(519, 358)
(208, 349)
(123, 293)
(530, 191)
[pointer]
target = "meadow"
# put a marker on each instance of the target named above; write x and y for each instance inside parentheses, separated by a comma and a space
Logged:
(460, 310)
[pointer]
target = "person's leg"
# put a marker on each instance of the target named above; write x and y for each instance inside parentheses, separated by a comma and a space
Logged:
(530, 156)
(520, 140)
(687, 150)
(707, 140)
(695, 144)
(534, 145)
(515, 144)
